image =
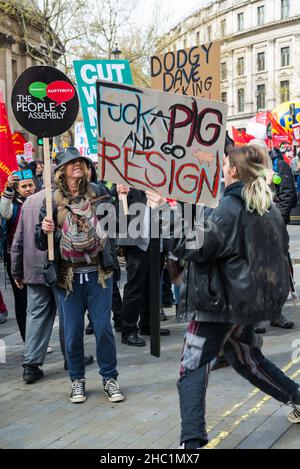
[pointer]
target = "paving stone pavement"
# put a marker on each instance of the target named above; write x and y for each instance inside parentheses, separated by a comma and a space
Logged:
(41, 416)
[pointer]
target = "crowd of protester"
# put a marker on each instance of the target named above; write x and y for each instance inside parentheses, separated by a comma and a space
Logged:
(224, 288)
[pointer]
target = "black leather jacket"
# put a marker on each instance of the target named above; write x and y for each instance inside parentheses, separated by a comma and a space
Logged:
(240, 274)
(285, 193)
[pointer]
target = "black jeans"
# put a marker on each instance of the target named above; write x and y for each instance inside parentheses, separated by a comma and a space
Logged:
(136, 291)
(20, 297)
(203, 341)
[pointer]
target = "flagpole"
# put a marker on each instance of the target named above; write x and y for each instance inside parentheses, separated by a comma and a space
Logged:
(47, 182)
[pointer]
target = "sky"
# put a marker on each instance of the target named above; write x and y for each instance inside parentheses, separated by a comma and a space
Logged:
(179, 9)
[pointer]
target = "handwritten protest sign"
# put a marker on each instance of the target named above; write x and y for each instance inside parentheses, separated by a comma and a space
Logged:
(87, 72)
(192, 72)
(163, 141)
(28, 150)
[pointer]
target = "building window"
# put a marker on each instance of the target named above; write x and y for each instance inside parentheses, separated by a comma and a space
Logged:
(284, 91)
(241, 100)
(224, 97)
(174, 48)
(223, 70)
(209, 34)
(184, 44)
(261, 97)
(223, 28)
(285, 56)
(241, 66)
(240, 18)
(197, 38)
(260, 15)
(260, 61)
(285, 9)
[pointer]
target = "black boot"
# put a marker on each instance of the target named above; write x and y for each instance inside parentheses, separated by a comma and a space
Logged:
(32, 373)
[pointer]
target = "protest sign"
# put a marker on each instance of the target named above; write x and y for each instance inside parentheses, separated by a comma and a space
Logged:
(161, 141)
(296, 133)
(81, 142)
(45, 103)
(191, 72)
(87, 72)
(28, 152)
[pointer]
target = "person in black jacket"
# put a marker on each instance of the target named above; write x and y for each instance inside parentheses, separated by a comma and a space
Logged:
(236, 278)
(285, 192)
(285, 198)
(136, 296)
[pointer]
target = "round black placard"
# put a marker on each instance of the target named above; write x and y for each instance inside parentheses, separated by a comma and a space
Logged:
(44, 101)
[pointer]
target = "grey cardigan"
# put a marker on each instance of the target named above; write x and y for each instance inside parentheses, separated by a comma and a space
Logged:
(26, 260)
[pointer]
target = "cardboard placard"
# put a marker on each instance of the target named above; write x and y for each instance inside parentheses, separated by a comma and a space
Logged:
(161, 141)
(191, 72)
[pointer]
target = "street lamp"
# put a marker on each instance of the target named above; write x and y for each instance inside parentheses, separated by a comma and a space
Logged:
(116, 52)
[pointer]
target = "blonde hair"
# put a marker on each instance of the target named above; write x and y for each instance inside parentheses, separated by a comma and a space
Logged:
(59, 176)
(251, 163)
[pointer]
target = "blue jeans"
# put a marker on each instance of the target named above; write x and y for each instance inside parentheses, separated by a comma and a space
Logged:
(202, 344)
(88, 295)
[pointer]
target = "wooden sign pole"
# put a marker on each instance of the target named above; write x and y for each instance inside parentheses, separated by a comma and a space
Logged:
(47, 182)
(123, 197)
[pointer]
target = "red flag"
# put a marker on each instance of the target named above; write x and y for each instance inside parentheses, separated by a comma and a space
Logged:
(277, 129)
(18, 142)
(8, 161)
(238, 138)
(247, 138)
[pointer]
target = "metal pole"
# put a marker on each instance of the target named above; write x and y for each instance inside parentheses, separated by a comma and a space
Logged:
(293, 115)
(154, 288)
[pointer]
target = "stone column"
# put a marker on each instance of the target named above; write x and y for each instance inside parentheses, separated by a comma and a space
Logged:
(270, 67)
(249, 92)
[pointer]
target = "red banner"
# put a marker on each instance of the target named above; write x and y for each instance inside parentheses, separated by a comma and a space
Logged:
(8, 161)
(241, 138)
(18, 142)
(277, 129)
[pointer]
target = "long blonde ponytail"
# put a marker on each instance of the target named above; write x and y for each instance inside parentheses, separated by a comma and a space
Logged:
(252, 163)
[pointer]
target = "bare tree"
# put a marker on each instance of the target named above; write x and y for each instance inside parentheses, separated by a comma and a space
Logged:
(55, 23)
(116, 21)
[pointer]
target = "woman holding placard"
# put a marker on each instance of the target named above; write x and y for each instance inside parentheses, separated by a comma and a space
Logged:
(83, 282)
(237, 276)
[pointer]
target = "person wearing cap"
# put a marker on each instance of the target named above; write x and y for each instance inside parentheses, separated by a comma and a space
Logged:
(81, 286)
(103, 190)
(41, 301)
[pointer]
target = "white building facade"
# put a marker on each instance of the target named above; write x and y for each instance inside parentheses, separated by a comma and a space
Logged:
(260, 52)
